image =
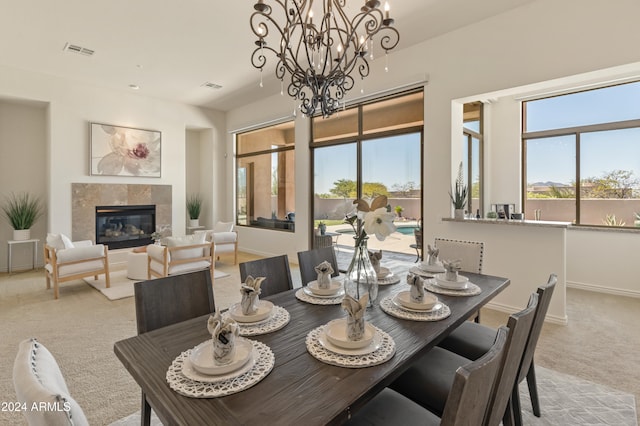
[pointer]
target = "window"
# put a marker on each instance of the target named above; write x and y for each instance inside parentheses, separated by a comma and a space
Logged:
(582, 157)
(472, 155)
(369, 150)
(265, 168)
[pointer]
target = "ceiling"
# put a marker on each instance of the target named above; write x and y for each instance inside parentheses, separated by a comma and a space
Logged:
(169, 49)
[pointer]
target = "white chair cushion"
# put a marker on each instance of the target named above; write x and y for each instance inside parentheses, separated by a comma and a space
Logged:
(223, 227)
(187, 240)
(55, 241)
(81, 268)
(189, 267)
(66, 241)
(224, 237)
(37, 379)
(79, 253)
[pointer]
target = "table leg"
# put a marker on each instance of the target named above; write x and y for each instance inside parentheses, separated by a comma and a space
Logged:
(35, 253)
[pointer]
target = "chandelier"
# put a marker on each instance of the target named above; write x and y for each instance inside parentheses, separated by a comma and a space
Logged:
(319, 47)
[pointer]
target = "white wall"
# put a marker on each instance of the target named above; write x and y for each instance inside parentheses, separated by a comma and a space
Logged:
(73, 105)
(541, 41)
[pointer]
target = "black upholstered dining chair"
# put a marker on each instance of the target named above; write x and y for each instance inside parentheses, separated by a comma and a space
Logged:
(165, 301)
(308, 260)
(427, 380)
(275, 270)
(473, 340)
(466, 403)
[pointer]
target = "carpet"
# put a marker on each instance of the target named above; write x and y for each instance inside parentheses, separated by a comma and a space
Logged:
(121, 286)
(564, 400)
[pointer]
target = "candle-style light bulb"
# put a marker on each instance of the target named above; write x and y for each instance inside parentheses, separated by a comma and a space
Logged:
(311, 17)
(386, 9)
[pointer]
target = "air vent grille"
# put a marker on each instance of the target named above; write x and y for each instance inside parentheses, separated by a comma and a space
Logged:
(78, 49)
(211, 85)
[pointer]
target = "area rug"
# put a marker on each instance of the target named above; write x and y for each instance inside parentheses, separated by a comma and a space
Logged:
(121, 286)
(565, 401)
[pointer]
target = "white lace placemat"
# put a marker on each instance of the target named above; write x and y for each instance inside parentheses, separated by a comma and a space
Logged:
(389, 279)
(278, 319)
(195, 389)
(389, 307)
(301, 295)
(383, 354)
(471, 289)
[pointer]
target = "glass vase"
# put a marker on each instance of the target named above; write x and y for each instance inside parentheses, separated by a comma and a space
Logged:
(361, 278)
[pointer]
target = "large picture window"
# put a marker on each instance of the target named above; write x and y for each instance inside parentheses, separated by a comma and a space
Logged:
(265, 167)
(582, 157)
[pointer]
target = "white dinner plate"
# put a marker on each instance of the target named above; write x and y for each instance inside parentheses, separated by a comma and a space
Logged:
(264, 310)
(373, 346)
(460, 284)
(191, 373)
(435, 308)
(333, 289)
(437, 268)
(336, 332)
(404, 298)
(201, 358)
(331, 296)
(383, 272)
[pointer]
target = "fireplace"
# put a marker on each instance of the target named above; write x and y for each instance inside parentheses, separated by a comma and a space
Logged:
(125, 226)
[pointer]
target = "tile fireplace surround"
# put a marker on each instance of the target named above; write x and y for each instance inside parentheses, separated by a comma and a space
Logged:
(86, 196)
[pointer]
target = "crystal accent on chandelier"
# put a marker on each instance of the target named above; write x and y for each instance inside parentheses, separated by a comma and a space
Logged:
(319, 46)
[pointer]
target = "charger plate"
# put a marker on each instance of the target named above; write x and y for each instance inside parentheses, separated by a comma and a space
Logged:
(384, 353)
(392, 309)
(263, 364)
(301, 295)
(389, 279)
(278, 319)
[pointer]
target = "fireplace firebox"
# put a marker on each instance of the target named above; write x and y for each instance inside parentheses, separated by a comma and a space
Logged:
(125, 226)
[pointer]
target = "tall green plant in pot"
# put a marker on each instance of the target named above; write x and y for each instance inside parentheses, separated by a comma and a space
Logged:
(194, 206)
(22, 210)
(459, 195)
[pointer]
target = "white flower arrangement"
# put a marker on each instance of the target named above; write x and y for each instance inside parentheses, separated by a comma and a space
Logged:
(375, 219)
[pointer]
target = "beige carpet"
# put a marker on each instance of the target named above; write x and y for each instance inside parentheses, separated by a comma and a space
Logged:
(120, 286)
(600, 343)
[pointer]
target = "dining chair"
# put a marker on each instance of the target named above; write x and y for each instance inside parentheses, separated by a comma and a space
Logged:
(164, 301)
(275, 270)
(417, 234)
(466, 402)
(470, 254)
(38, 380)
(308, 260)
(427, 381)
(473, 340)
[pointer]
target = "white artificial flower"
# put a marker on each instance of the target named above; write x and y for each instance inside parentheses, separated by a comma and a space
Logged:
(379, 222)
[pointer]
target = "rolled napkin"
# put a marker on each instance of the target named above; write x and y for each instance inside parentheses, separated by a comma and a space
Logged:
(250, 291)
(324, 271)
(223, 333)
(375, 258)
(355, 315)
(451, 269)
(433, 253)
(416, 294)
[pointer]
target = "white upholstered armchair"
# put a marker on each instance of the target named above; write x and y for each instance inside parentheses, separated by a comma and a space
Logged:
(180, 255)
(224, 238)
(65, 260)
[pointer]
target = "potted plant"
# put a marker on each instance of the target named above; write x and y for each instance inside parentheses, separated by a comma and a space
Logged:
(459, 195)
(398, 210)
(322, 227)
(22, 211)
(194, 206)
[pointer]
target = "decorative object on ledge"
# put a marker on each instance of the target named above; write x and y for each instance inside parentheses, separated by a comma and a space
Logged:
(459, 195)
(194, 207)
(320, 56)
(22, 210)
(124, 151)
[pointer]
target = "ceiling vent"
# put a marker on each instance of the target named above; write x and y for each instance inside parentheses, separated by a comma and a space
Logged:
(78, 49)
(211, 85)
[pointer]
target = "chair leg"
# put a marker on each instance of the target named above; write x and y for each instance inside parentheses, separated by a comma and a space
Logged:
(533, 389)
(145, 412)
(516, 407)
(477, 318)
(417, 256)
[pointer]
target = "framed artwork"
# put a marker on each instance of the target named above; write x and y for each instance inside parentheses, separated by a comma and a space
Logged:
(124, 151)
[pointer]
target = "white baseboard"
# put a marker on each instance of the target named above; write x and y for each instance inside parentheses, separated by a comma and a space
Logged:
(553, 319)
(603, 289)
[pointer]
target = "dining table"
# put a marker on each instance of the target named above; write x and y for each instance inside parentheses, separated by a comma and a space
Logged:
(300, 388)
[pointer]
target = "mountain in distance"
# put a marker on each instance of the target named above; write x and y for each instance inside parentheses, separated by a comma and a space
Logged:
(549, 184)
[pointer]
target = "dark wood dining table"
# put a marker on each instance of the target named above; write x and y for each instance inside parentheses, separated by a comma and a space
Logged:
(300, 389)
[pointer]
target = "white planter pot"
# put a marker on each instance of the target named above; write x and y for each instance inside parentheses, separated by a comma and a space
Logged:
(458, 214)
(194, 223)
(21, 234)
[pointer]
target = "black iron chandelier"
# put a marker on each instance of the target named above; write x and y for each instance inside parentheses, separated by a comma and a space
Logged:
(319, 55)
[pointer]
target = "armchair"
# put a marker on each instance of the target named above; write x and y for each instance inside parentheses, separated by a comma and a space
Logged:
(181, 255)
(65, 260)
(224, 238)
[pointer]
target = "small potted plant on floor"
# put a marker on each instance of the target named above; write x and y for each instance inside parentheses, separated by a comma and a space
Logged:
(398, 210)
(22, 211)
(459, 195)
(194, 206)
